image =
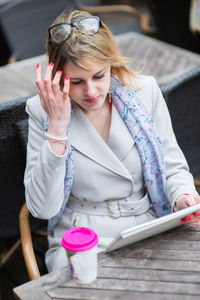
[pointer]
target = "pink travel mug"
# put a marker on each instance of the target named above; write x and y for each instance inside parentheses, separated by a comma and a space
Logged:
(81, 248)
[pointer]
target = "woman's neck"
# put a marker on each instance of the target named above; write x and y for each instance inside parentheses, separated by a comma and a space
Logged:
(101, 120)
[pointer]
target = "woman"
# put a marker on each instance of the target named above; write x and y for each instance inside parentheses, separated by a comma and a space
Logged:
(101, 150)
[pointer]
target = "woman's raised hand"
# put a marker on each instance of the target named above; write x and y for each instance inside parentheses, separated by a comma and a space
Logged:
(56, 102)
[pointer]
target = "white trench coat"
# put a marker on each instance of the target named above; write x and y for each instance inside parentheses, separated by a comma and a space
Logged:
(103, 171)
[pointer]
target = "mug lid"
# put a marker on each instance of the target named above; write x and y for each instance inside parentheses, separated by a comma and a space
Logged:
(79, 239)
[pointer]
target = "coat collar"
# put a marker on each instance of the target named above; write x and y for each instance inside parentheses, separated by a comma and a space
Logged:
(85, 138)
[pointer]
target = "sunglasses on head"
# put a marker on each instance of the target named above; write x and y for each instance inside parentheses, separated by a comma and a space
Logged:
(62, 31)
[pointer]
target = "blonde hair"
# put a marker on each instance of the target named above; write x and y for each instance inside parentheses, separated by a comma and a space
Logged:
(80, 45)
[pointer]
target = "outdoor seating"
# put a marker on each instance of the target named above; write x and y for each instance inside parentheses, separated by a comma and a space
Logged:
(182, 96)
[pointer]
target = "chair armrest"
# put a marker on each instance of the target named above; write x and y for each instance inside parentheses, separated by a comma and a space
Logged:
(197, 182)
(27, 246)
(143, 17)
(110, 9)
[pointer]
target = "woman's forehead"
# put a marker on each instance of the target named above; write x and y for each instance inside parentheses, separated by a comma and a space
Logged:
(85, 66)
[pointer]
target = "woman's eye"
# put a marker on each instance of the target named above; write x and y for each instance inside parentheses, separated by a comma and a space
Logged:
(99, 76)
(81, 81)
(76, 82)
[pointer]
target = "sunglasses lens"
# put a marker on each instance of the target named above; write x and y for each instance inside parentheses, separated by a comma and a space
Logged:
(89, 24)
(61, 32)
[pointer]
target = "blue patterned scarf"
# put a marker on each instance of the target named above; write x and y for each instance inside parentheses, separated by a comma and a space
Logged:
(145, 134)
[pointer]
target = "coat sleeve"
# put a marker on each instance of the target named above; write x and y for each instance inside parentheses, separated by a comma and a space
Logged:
(45, 171)
(179, 180)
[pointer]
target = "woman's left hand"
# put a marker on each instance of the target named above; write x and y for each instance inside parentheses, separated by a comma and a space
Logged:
(185, 201)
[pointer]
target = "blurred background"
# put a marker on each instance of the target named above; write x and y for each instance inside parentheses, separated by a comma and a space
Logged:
(23, 24)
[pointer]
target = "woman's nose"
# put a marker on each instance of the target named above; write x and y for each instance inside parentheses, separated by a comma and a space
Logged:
(90, 89)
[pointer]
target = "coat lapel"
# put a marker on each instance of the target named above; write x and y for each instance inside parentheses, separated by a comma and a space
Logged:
(120, 139)
(85, 138)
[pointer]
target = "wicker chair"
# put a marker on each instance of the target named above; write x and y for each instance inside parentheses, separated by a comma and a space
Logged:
(27, 244)
(183, 100)
(119, 17)
(12, 157)
(13, 138)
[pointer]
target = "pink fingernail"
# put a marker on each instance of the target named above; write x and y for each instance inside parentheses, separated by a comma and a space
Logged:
(37, 66)
(66, 77)
(60, 70)
(197, 214)
(183, 220)
(51, 64)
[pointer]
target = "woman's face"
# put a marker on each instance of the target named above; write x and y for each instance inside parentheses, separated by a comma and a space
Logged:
(88, 86)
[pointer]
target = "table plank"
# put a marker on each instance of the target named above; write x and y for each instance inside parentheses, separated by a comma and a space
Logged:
(116, 284)
(36, 289)
(88, 294)
(162, 254)
(156, 264)
(174, 244)
(146, 274)
(33, 294)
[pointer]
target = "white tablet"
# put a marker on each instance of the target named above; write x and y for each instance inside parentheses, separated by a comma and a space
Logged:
(143, 231)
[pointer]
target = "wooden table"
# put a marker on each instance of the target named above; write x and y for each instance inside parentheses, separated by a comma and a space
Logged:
(164, 267)
(149, 56)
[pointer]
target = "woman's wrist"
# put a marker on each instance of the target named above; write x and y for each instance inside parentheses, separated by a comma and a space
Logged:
(57, 129)
(56, 139)
(58, 147)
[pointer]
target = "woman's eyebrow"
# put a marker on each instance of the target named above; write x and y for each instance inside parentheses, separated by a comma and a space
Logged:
(99, 72)
(78, 78)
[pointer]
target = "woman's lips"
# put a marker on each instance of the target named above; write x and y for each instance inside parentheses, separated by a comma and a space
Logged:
(93, 100)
